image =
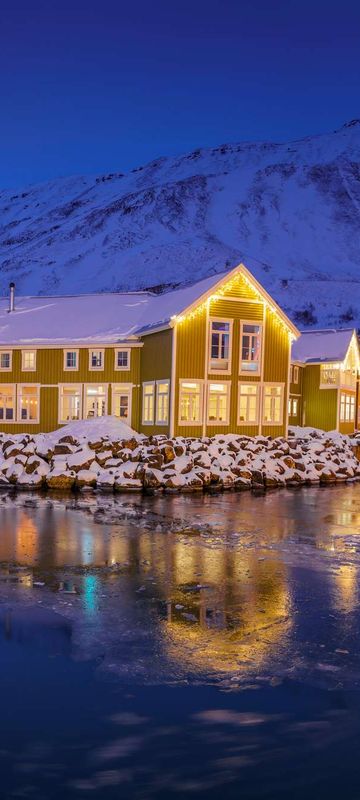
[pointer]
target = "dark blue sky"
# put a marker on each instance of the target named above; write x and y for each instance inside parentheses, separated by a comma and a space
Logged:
(105, 85)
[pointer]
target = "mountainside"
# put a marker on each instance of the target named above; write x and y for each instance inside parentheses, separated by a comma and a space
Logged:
(290, 211)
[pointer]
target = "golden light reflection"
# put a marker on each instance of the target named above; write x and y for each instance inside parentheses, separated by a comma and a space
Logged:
(346, 590)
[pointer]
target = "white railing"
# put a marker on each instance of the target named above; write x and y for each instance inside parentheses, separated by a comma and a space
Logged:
(337, 377)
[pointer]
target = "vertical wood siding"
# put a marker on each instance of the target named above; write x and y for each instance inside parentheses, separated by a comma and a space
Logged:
(50, 370)
(155, 365)
(320, 405)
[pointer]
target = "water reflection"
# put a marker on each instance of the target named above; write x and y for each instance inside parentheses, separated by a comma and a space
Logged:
(214, 598)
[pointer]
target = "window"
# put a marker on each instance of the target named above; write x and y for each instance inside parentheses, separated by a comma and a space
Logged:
(121, 401)
(28, 360)
(249, 394)
(220, 345)
(162, 402)
(296, 374)
(218, 403)
(28, 403)
(293, 407)
(70, 403)
(329, 374)
(347, 408)
(95, 401)
(5, 360)
(273, 404)
(291, 374)
(96, 359)
(71, 359)
(122, 359)
(7, 403)
(250, 348)
(148, 403)
(190, 402)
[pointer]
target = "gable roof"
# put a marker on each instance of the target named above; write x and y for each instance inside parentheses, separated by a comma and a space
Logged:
(181, 302)
(114, 317)
(316, 347)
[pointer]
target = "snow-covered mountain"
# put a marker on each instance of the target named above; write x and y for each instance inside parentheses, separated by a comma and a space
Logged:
(290, 211)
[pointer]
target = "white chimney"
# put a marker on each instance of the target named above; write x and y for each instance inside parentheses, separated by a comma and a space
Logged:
(12, 297)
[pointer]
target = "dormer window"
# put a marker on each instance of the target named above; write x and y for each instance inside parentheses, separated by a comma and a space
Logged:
(250, 348)
(220, 346)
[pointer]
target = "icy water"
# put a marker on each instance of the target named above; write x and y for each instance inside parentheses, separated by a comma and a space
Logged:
(180, 647)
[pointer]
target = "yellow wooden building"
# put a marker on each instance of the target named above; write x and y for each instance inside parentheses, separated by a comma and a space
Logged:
(324, 373)
(210, 358)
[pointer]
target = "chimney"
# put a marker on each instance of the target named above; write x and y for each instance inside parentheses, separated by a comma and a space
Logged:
(12, 297)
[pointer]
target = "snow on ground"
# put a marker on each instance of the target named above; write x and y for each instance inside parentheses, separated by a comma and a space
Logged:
(108, 455)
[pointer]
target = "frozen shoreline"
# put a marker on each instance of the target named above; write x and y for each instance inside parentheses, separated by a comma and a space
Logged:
(106, 455)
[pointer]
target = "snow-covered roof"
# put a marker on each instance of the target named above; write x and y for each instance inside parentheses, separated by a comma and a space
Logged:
(327, 346)
(106, 318)
(77, 319)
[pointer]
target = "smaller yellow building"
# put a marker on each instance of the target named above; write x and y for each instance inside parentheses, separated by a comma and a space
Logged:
(324, 374)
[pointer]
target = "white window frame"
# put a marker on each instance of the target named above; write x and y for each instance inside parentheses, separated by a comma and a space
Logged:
(122, 388)
(227, 384)
(71, 369)
(20, 387)
(122, 350)
(259, 324)
(69, 386)
(347, 407)
(23, 353)
(9, 368)
(148, 421)
(97, 350)
(293, 401)
(10, 421)
(166, 382)
(296, 374)
(214, 370)
(191, 423)
(106, 392)
(271, 385)
(291, 374)
(258, 401)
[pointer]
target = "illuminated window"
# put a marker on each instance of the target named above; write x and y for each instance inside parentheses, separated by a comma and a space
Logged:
(162, 402)
(28, 360)
(28, 403)
(293, 407)
(122, 359)
(296, 374)
(96, 359)
(7, 403)
(148, 404)
(273, 404)
(121, 402)
(220, 346)
(71, 359)
(218, 403)
(248, 403)
(190, 402)
(95, 401)
(347, 407)
(70, 403)
(250, 348)
(5, 360)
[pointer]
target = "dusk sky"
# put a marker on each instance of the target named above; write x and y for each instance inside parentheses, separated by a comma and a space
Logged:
(91, 87)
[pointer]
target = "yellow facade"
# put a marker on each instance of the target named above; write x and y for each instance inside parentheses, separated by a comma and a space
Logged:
(172, 384)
